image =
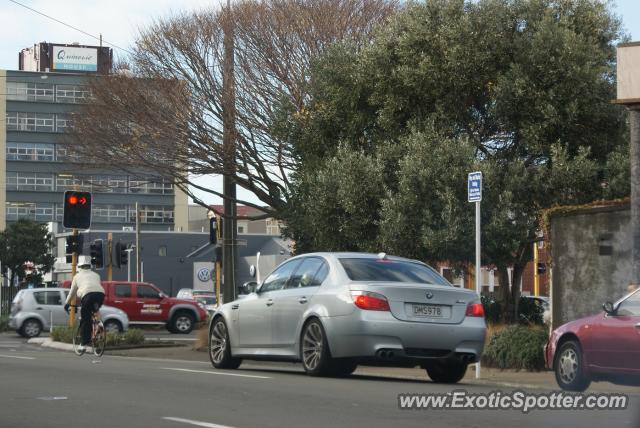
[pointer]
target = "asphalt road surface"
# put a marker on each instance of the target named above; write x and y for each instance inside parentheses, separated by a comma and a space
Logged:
(47, 388)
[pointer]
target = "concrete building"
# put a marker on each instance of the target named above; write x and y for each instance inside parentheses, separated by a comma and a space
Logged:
(37, 165)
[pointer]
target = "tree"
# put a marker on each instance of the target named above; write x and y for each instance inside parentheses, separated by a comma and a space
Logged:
(519, 89)
(162, 112)
(24, 241)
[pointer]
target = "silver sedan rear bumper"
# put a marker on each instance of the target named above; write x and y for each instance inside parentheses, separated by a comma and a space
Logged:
(379, 335)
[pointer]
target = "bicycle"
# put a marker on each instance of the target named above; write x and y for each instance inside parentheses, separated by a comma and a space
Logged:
(98, 335)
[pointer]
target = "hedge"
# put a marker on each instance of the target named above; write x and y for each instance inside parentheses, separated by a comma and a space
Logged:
(516, 347)
(132, 336)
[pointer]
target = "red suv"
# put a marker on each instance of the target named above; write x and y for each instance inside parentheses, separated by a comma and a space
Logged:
(146, 304)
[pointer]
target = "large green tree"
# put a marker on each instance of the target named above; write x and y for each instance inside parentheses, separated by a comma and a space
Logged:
(24, 241)
(519, 89)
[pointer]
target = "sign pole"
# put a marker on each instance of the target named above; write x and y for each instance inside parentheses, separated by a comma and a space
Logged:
(478, 262)
(74, 265)
(474, 187)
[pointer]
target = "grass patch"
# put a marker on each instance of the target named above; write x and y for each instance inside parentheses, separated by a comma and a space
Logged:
(133, 336)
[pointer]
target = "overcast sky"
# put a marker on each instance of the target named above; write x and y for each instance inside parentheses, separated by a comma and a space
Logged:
(118, 21)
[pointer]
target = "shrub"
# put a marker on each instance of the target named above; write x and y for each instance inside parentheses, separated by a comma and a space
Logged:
(492, 309)
(516, 347)
(530, 311)
(130, 337)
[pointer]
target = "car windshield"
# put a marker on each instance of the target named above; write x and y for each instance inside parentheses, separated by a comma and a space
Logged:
(385, 270)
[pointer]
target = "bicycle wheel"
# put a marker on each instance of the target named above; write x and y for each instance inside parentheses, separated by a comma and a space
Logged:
(77, 339)
(99, 340)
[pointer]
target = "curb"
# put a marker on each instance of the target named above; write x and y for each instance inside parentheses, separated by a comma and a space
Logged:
(46, 342)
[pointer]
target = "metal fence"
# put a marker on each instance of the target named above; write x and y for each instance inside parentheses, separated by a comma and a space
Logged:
(6, 297)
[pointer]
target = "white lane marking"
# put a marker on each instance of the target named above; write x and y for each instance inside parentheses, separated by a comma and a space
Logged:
(19, 358)
(52, 398)
(197, 423)
(215, 373)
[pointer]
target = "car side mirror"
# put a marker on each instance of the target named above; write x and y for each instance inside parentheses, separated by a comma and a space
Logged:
(608, 308)
(250, 287)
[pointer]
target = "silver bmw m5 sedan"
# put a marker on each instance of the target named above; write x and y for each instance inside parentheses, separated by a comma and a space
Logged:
(333, 311)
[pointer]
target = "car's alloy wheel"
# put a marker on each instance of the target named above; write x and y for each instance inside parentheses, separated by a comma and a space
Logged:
(220, 347)
(568, 368)
(316, 358)
(31, 328)
(183, 323)
(112, 326)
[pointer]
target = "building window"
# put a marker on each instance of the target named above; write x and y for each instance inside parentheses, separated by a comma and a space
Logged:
(38, 212)
(63, 123)
(72, 182)
(240, 229)
(32, 122)
(273, 226)
(153, 214)
(73, 94)
(30, 181)
(161, 187)
(25, 91)
(30, 151)
(109, 213)
(162, 251)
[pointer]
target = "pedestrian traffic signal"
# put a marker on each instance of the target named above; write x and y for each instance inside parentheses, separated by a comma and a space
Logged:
(77, 210)
(122, 255)
(97, 254)
(218, 254)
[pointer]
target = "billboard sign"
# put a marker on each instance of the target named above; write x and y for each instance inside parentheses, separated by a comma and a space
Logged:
(75, 58)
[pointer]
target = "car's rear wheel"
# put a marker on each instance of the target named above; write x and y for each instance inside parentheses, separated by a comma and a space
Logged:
(182, 323)
(449, 371)
(31, 328)
(342, 368)
(314, 350)
(569, 368)
(220, 346)
(112, 326)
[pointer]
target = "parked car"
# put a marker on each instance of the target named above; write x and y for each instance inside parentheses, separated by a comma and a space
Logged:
(35, 309)
(145, 304)
(605, 346)
(190, 293)
(333, 311)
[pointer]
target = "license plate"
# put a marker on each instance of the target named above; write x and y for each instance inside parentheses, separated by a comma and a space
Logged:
(429, 311)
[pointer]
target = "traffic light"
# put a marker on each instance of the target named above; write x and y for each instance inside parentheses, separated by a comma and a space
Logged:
(77, 210)
(74, 244)
(122, 255)
(213, 232)
(97, 254)
(542, 268)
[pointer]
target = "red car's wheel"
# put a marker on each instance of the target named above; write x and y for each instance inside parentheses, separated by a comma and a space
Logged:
(569, 367)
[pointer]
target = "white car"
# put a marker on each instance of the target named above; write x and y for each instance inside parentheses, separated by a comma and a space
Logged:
(36, 309)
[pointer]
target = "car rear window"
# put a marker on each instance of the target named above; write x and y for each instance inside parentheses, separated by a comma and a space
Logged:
(385, 270)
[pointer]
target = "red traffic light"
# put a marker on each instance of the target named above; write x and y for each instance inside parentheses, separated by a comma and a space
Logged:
(73, 199)
(82, 200)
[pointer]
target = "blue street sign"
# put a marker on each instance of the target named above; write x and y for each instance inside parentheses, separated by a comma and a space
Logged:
(474, 184)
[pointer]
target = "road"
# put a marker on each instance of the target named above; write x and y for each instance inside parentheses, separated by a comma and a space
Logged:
(47, 388)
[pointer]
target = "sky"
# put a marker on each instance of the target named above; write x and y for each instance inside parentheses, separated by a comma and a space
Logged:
(118, 22)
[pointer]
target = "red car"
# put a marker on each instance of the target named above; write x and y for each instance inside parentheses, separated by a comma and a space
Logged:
(605, 346)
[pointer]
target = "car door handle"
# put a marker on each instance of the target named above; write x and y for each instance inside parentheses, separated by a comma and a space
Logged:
(269, 302)
(235, 306)
(638, 325)
(117, 301)
(302, 300)
(38, 309)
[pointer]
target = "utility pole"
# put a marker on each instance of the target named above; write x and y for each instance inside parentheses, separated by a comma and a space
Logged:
(230, 232)
(137, 244)
(628, 94)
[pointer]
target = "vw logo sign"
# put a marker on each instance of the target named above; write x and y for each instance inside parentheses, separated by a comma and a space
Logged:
(204, 274)
(429, 295)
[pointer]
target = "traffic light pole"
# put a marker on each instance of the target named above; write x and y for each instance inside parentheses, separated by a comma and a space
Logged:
(109, 256)
(218, 264)
(74, 265)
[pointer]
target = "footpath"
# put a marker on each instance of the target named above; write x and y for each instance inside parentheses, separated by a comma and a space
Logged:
(543, 380)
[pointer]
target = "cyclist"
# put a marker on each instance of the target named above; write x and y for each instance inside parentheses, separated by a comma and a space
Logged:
(86, 285)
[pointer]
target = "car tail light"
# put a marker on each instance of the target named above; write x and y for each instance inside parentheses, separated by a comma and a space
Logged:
(370, 301)
(475, 310)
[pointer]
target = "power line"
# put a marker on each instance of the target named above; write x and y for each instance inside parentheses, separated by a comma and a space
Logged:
(70, 26)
